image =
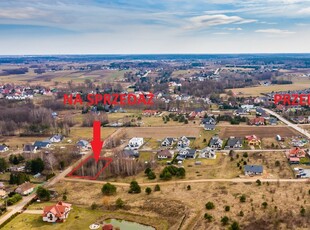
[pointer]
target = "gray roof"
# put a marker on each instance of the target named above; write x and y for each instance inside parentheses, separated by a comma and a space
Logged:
(209, 126)
(234, 141)
(253, 168)
(2, 147)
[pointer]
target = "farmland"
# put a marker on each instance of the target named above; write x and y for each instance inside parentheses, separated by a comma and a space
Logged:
(260, 131)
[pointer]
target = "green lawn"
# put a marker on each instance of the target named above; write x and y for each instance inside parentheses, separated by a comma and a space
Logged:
(79, 218)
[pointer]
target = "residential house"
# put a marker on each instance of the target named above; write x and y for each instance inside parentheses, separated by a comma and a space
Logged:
(297, 152)
(168, 141)
(251, 170)
(234, 143)
(28, 148)
(183, 142)
(165, 154)
(129, 153)
(83, 144)
(209, 127)
(56, 213)
(42, 144)
(149, 113)
(207, 153)
(135, 143)
(273, 121)
(208, 121)
(294, 160)
(25, 188)
(216, 142)
(107, 227)
(2, 194)
(187, 153)
(241, 112)
(253, 140)
(3, 148)
(257, 121)
(259, 111)
(56, 138)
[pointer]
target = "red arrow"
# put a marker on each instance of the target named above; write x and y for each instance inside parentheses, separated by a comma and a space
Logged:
(96, 143)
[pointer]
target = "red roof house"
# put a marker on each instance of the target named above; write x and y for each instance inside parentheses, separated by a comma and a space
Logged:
(257, 121)
(107, 227)
(56, 213)
(297, 152)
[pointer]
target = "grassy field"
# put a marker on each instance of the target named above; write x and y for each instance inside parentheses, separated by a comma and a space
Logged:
(174, 201)
(77, 133)
(162, 132)
(79, 218)
(258, 90)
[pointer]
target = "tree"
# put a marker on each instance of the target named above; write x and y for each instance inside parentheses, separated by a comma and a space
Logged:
(35, 166)
(242, 198)
(258, 182)
(134, 187)
(277, 163)
(264, 204)
(151, 175)
(108, 189)
(245, 155)
(148, 190)
(147, 171)
(189, 187)
(64, 197)
(119, 203)
(43, 193)
(234, 226)
(225, 220)
(208, 217)
(302, 211)
(241, 213)
(210, 205)
(157, 188)
(3, 165)
(227, 208)
(18, 178)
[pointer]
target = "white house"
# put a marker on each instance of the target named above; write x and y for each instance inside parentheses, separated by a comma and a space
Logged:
(207, 153)
(183, 142)
(25, 188)
(56, 213)
(135, 143)
(56, 138)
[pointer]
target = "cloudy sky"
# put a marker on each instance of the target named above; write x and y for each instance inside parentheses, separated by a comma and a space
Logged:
(154, 26)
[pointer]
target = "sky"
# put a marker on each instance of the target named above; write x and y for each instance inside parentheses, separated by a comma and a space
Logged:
(154, 26)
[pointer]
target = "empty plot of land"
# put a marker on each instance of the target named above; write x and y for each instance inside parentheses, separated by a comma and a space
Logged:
(162, 132)
(261, 131)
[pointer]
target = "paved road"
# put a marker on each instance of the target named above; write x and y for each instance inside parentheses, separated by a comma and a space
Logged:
(290, 124)
(235, 180)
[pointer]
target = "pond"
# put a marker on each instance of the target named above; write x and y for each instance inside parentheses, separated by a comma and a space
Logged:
(127, 225)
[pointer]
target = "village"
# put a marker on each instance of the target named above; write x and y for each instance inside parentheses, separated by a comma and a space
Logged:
(177, 146)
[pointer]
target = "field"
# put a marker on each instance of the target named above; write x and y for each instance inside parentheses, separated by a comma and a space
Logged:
(77, 133)
(260, 131)
(162, 132)
(280, 213)
(258, 90)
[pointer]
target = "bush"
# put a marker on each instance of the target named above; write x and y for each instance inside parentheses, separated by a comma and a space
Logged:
(208, 217)
(302, 211)
(43, 193)
(157, 188)
(225, 220)
(277, 164)
(242, 198)
(188, 187)
(227, 208)
(210, 205)
(245, 155)
(119, 203)
(234, 226)
(241, 213)
(14, 199)
(64, 197)
(264, 204)
(134, 187)
(148, 190)
(170, 171)
(93, 206)
(151, 175)
(108, 189)
(258, 182)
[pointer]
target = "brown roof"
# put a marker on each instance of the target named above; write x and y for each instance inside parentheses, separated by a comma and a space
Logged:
(164, 152)
(25, 186)
(107, 227)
